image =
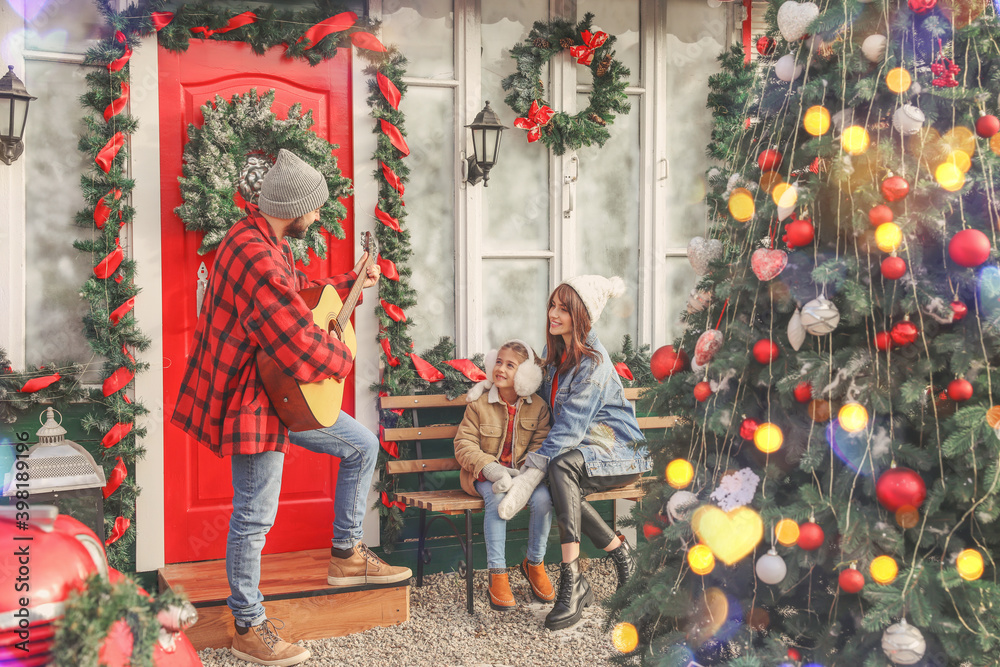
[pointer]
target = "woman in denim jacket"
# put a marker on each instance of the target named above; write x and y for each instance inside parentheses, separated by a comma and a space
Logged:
(592, 443)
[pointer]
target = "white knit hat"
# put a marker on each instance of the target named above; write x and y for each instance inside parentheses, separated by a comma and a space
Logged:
(291, 188)
(595, 291)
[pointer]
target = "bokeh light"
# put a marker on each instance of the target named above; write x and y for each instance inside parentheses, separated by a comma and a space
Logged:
(960, 138)
(961, 160)
(949, 176)
(759, 619)
(907, 516)
(786, 532)
(883, 570)
(816, 120)
(888, 236)
(701, 559)
(969, 564)
(680, 472)
(785, 195)
(769, 179)
(898, 80)
(855, 140)
(741, 205)
(853, 416)
(995, 143)
(625, 637)
(768, 438)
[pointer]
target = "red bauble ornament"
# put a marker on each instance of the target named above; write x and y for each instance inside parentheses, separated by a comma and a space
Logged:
(960, 310)
(851, 580)
(748, 428)
(895, 188)
(922, 6)
(880, 214)
(893, 268)
(810, 536)
(803, 392)
(799, 233)
(765, 351)
(899, 487)
(665, 362)
(969, 248)
(650, 530)
(794, 655)
(987, 126)
(904, 333)
(702, 391)
(883, 340)
(769, 160)
(765, 45)
(960, 390)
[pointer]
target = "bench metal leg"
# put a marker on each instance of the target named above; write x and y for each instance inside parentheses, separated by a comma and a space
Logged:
(422, 536)
(469, 571)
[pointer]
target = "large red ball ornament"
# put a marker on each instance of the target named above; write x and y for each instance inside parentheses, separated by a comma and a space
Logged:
(769, 160)
(650, 530)
(893, 268)
(895, 188)
(765, 351)
(960, 310)
(904, 333)
(880, 214)
(665, 362)
(851, 580)
(810, 536)
(799, 233)
(765, 45)
(960, 390)
(987, 126)
(883, 340)
(803, 392)
(794, 655)
(702, 391)
(748, 428)
(922, 6)
(969, 248)
(899, 487)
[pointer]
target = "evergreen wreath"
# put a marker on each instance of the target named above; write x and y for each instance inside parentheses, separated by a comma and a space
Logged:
(558, 130)
(238, 137)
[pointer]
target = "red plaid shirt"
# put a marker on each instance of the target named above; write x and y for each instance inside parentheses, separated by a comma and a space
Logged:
(252, 302)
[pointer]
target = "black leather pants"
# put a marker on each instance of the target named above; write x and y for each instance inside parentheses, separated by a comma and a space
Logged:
(568, 484)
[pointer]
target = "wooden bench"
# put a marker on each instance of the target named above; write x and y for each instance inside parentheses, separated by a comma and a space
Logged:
(448, 502)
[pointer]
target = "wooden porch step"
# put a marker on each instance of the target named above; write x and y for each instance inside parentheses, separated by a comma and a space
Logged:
(295, 591)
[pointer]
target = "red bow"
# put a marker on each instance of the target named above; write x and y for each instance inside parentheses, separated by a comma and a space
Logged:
(426, 370)
(398, 504)
(115, 479)
(624, 370)
(118, 313)
(388, 267)
(37, 384)
(591, 42)
(115, 435)
(237, 21)
(387, 348)
(387, 220)
(117, 105)
(338, 23)
(161, 19)
(468, 369)
(537, 116)
(118, 63)
(121, 525)
(389, 90)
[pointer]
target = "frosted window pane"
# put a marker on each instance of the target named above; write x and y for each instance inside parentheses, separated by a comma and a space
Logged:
(60, 26)
(621, 19)
(516, 215)
(514, 298)
(424, 31)
(681, 279)
(607, 214)
(430, 201)
(55, 269)
(696, 35)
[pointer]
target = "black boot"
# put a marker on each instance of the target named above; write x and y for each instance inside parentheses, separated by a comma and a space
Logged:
(624, 561)
(574, 595)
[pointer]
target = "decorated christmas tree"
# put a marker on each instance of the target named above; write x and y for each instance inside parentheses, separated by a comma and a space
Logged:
(828, 494)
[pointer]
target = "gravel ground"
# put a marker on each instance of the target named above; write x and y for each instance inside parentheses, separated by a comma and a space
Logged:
(440, 633)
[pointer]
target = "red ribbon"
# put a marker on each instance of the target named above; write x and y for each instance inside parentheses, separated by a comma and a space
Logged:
(121, 525)
(387, 220)
(624, 370)
(391, 448)
(117, 105)
(537, 116)
(395, 137)
(115, 478)
(388, 268)
(107, 154)
(237, 21)
(393, 311)
(120, 311)
(116, 381)
(398, 504)
(392, 178)
(338, 23)
(591, 42)
(468, 369)
(426, 370)
(102, 211)
(35, 384)
(114, 436)
(161, 19)
(116, 64)
(387, 348)
(389, 90)
(366, 40)
(109, 264)
(128, 355)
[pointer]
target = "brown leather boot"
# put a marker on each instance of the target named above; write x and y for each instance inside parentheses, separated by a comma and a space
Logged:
(541, 586)
(260, 644)
(501, 597)
(363, 567)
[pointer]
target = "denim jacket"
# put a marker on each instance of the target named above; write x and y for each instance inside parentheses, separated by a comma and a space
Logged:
(590, 413)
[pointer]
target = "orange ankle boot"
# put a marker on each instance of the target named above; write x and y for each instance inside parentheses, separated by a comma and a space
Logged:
(536, 575)
(501, 597)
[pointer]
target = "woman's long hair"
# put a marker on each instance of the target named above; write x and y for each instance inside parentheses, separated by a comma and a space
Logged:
(581, 328)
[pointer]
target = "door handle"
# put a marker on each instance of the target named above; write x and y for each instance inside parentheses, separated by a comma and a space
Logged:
(569, 186)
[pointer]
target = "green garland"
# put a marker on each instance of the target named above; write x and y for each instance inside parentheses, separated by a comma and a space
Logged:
(14, 402)
(564, 132)
(216, 153)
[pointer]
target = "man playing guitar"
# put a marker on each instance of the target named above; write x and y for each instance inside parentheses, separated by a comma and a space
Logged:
(252, 304)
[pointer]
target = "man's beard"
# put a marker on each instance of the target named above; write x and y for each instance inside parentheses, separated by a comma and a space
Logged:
(298, 228)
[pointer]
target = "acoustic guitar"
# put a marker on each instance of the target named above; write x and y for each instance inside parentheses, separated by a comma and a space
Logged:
(304, 406)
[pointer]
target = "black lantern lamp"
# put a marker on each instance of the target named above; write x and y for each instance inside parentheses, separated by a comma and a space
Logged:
(62, 473)
(486, 133)
(14, 100)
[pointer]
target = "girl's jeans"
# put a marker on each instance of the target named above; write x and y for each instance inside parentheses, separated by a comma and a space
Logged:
(495, 528)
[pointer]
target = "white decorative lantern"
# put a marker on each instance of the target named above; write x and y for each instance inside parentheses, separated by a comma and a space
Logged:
(908, 119)
(903, 644)
(787, 69)
(820, 316)
(873, 47)
(771, 568)
(796, 332)
(702, 252)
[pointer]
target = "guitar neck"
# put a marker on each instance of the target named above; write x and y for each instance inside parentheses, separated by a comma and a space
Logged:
(352, 298)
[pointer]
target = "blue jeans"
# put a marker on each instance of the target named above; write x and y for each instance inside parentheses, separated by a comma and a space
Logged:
(256, 487)
(495, 528)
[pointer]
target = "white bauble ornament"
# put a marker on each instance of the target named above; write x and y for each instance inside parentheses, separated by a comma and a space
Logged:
(698, 300)
(794, 18)
(680, 505)
(908, 119)
(873, 47)
(786, 68)
(841, 119)
(903, 644)
(702, 252)
(771, 568)
(796, 332)
(820, 316)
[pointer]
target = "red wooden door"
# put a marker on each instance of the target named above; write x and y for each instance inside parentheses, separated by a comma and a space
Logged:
(198, 489)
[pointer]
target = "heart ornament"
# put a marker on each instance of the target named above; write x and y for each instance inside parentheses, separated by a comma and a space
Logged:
(730, 535)
(702, 252)
(794, 18)
(767, 264)
(708, 344)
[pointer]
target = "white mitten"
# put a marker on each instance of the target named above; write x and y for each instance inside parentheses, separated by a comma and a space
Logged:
(520, 491)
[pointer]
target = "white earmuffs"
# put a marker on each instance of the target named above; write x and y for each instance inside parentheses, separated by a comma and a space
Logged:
(527, 378)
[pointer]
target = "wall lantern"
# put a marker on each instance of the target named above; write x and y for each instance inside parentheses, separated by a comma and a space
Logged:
(486, 133)
(14, 100)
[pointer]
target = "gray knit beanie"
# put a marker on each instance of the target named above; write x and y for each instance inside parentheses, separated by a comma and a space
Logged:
(292, 188)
